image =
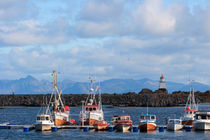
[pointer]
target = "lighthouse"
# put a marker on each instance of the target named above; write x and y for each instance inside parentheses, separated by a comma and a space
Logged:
(162, 83)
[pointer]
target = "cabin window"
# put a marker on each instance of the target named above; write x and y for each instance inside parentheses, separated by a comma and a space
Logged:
(90, 109)
(47, 118)
(148, 117)
(127, 118)
(94, 109)
(86, 109)
(142, 117)
(203, 117)
(38, 118)
(42, 118)
(190, 112)
(152, 117)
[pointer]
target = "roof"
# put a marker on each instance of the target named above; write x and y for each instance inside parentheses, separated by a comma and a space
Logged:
(91, 105)
(161, 77)
(121, 115)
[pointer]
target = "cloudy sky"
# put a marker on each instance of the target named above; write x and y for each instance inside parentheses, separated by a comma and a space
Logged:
(107, 38)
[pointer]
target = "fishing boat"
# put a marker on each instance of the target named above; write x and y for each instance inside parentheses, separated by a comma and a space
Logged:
(174, 124)
(190, 108)
(92, 112)
(60, 113)
(122, 123)
(44, 122)
(101, 125)
(147, 122)
(202, 120)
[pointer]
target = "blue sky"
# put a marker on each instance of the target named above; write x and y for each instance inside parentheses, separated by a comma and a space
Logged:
(110, 39)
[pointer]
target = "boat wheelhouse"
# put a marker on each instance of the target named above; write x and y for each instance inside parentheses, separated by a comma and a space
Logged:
(174, 124)
(202, 120)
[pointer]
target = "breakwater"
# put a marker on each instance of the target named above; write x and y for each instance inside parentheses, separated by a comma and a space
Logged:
(158, 98)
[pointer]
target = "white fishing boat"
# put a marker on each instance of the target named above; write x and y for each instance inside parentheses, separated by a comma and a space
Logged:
(92, 111)
(44, 120)
(190, 109)
(202, 120)
(174, 124)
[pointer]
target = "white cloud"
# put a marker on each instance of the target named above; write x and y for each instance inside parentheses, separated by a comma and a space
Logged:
(151, 17)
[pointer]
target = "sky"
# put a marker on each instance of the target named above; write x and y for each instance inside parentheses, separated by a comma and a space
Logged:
(128, 39)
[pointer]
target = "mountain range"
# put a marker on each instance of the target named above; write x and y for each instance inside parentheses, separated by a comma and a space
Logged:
(31, 85)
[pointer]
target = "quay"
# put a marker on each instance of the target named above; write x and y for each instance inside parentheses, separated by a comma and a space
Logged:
(31, 127)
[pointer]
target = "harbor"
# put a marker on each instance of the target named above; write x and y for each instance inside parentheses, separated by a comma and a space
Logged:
(15, 116)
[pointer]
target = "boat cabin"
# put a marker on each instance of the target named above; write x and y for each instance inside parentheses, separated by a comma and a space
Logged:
(91, 108)
(174, 121)
(121, 117)
(201, 115)
(190, 111)
(43, 118)
(148, 117)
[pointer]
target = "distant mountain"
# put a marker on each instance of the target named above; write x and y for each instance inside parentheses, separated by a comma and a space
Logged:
(30, 85)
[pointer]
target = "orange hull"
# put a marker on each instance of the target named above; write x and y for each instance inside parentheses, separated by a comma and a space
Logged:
(147, 127)
(59, 122)
(187, 122)
(90, 122)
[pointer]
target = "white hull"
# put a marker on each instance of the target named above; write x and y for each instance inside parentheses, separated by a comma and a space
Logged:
(174, 127)
(40, 126)
(202, 125)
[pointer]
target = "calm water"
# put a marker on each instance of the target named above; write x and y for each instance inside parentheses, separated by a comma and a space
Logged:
(27, 115)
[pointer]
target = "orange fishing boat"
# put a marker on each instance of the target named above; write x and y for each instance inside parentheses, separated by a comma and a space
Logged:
(92, 111)
(147, 122)
(190, 109)
(60, 113)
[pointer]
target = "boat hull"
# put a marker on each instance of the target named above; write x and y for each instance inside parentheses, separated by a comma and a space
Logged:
(43, 127)
(201, 126)
(123, 127)
(174, 127)
(90, 122)
(61, 118)
(147, 126)
(100, 127)
(187, 122)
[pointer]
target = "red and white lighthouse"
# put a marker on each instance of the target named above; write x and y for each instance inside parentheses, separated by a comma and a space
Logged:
(162, 82)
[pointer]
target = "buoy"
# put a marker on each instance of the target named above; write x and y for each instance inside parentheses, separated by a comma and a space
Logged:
(85, 129)
(135, 129)
(188, 128)
(161, 128)
(54, 129)
(111, 128)
(26, 129)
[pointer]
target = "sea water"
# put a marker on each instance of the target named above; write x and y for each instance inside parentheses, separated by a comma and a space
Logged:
(27, 116)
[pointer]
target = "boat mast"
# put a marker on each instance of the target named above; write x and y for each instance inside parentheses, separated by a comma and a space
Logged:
(55, 85)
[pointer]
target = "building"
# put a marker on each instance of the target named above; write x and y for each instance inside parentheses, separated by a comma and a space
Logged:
(162, 81)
